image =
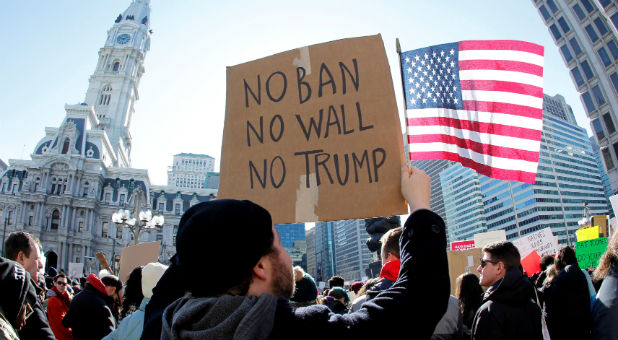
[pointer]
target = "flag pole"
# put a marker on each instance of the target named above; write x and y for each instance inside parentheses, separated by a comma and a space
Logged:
(405, 113)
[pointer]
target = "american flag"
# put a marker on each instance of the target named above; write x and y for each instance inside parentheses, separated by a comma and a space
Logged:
(479, 103)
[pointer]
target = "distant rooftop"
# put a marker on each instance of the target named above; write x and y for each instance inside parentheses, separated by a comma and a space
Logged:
(193, 155)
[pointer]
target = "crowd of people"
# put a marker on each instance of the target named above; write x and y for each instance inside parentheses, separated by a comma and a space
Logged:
(248, 289)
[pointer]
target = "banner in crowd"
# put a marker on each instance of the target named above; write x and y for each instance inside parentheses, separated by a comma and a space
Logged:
(463, 261)
(479, 103)
(313, 134)
(138, 255)
(462, 245)
(589, 252)
(585, 234)
(76, 270)
(482, 239)
(542, 241)
(531, 263)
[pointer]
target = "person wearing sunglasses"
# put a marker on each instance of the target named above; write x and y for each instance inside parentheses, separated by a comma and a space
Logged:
(18, 295)
(58, 304)
(509, 309)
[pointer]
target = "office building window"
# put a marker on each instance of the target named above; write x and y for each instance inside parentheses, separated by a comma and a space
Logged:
(607, 156)
(609, 123)
(604, 56)
(592, 34)
(566, 53)
(588, 102)
(544, 12)
(615, 20)
(579, 12)
(587, 70)
(611, 45)
(598, 22)
(563, 24)
(598, 95)
(555, 32)
(575, 46)
(579, 80)
(587, 6)
(598, 129)
(552, 6)
(614, 78)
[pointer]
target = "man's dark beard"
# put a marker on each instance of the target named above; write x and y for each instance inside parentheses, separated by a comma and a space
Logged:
(284, 284)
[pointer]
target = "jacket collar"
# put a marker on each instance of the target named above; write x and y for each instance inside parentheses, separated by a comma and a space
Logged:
(390, 270)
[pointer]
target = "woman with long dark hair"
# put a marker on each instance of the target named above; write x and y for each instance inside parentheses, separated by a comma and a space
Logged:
(132, 292)
(470, 293)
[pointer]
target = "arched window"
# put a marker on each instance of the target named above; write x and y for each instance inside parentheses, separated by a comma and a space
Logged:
(116, 66)
(55, 219)
(65, 146)
(86, 184)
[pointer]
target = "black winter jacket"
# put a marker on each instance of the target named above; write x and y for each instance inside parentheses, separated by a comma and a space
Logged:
(509, 311)
(567, 303)
(90, 315)
(414, 304)
(37, 325)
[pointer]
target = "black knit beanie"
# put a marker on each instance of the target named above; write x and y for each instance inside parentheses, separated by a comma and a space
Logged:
(15, 287)
(219, 242)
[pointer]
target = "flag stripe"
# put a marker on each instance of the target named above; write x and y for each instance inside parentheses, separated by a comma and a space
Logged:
(509, 45)
(509, 175)
(501, 65)
(484, 138)
(501, 55)
(488, 149)
(494, 161)
(479, 116)
(503, 86)
(518, 110)
(511, 76)
(489, 128)
(503, 97)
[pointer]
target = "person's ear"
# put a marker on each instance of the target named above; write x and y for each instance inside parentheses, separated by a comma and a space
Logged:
(259, 270)
(20, 256)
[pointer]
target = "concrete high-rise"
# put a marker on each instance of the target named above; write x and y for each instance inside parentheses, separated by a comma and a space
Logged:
(586, 33)
(352, 257)
(568, 176)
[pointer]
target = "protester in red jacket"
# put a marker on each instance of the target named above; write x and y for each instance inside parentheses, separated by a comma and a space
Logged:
(58, 304)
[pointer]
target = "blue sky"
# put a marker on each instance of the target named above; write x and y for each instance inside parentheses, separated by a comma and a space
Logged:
(50, 49)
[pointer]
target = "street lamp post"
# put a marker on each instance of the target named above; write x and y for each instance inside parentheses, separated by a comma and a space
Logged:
(145, 221)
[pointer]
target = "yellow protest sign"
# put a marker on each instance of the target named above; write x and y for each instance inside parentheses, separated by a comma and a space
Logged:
(586, 234)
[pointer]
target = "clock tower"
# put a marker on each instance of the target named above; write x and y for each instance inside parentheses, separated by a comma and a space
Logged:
(112, 90)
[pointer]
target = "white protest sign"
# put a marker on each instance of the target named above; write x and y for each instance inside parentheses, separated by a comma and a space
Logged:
(483, 239)
(543, 241)
(76, 270)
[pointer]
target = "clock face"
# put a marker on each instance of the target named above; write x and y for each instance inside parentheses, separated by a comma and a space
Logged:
(123, 38)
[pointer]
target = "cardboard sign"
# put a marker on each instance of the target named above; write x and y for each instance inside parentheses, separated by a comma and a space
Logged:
(542, 241)
(461, 262)
(483, 239)
(103, 261)
(138, 255)
(462, 245)
(585, 234)
(313, 134)
(531, 263)
(76, 270)
(589, 252)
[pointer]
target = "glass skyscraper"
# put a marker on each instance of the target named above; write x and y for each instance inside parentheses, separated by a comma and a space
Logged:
(352, 257)
(321, 251)
(586, 33)
(568, 176)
